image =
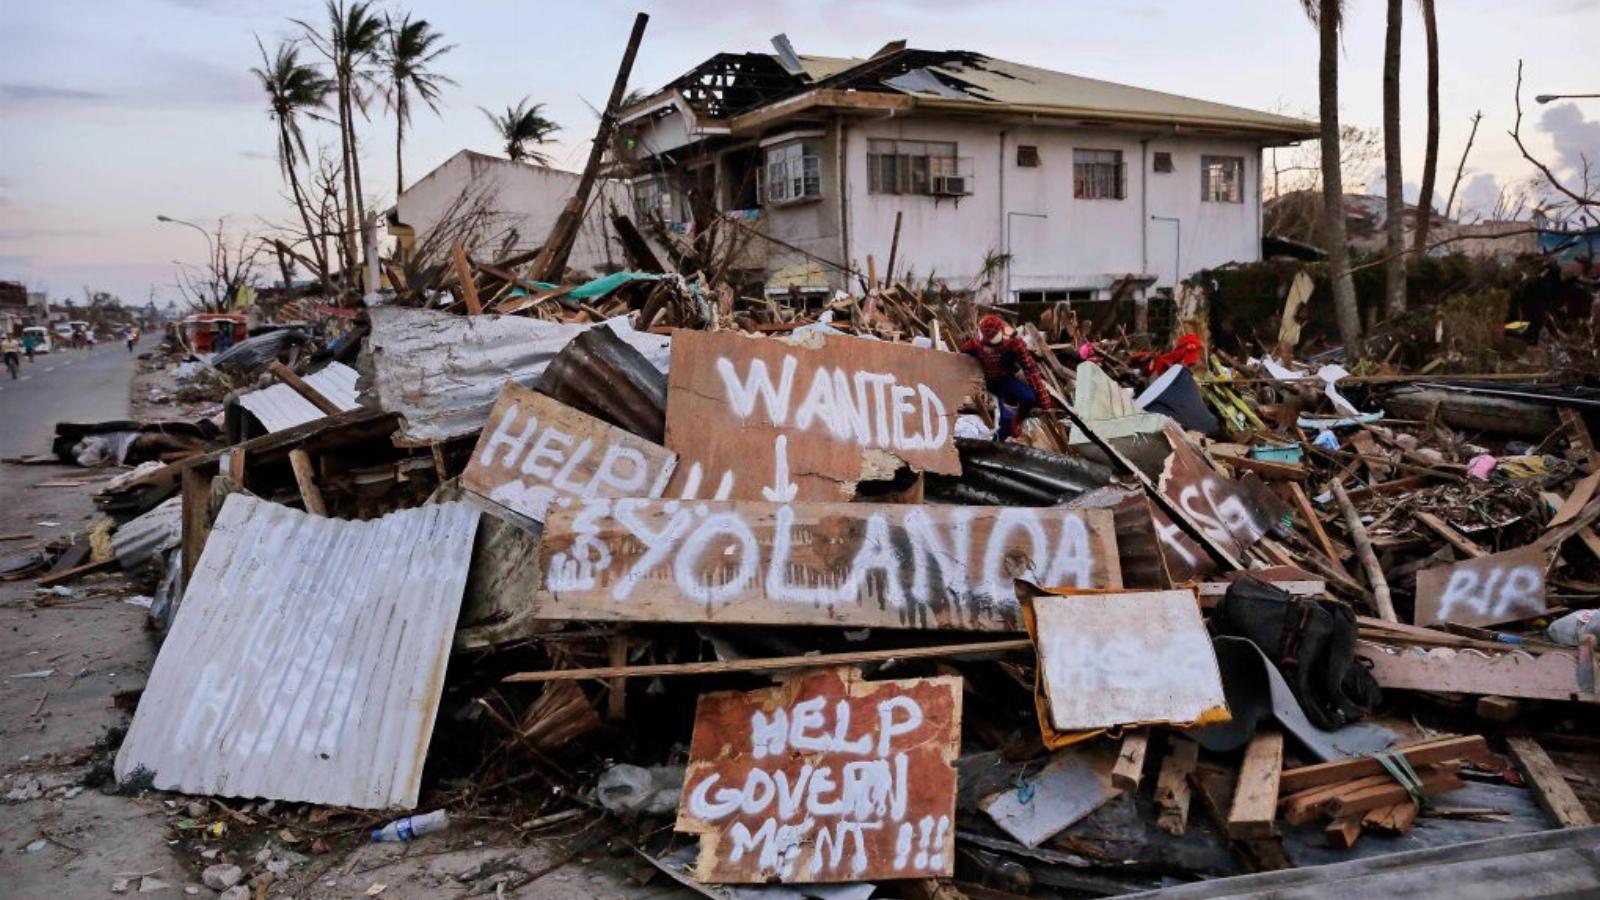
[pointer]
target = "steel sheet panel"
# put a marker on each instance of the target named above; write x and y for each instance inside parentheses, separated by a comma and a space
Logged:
(279, 406)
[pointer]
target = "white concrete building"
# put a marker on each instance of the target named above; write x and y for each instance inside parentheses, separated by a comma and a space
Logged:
(525, 199)
(1078, 182)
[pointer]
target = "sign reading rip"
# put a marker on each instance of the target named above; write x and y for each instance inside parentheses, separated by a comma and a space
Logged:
(888, 565)
(1488, 590)
(781, 421)
(825, 778)
(537, 452)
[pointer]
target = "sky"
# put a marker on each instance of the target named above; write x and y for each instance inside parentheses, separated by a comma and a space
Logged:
(115, 111)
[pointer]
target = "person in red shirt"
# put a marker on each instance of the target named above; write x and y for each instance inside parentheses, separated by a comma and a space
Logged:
(1010, 374)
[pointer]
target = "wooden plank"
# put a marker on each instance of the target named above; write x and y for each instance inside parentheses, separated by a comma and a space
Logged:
(463, 270)
(195, 515)
(1500, 587)
(305, 477)
(313, 396)
(815, 563)
(768, 664)
(1455, 538)
(1498, 709)
(900, 737)
(1314, 522)
(1582, 493)
(1394, 819)
(1548, 784)
(1129, 769)
(1364, 552)
(75, 571)
(1126, 658)
(1435, 780)
(538, 452)
(1173, 790)
(1313, 803)
(1551, 675)
(1255, 799)
(1343, 832)
(1230, 514)
(804, 420)
(1423, 753)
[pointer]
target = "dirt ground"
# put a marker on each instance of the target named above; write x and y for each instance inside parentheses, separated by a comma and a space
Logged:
(65, 832)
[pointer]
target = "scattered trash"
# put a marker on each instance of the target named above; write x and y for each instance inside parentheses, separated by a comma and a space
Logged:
(411, 827)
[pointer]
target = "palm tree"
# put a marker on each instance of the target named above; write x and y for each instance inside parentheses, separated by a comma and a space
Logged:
(352, 40)
(409, 49)
(294, 88)
(1394, 263)
(521, 125)
(1327, 15)
(1430, 157)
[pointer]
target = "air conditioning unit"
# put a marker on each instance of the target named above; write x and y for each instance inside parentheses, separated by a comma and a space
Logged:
(951, 185)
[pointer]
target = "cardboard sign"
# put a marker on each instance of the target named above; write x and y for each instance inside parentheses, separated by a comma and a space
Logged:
(784, 421)
(1235, 514)
(850, 564)
(825, 778)
(536, 453)
(1488, 590)
(1119, 659)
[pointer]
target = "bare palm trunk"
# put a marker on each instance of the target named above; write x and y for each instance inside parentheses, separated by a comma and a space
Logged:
(399, 141)
(1430, 158)
(347, 239)
(300, 203)
(1394, 264)
(1344, 291)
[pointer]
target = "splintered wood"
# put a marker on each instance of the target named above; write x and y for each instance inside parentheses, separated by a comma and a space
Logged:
(825, 778)
(805, 420)
(537, 452)
(815, 563)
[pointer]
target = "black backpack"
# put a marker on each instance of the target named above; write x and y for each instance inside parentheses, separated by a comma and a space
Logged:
(1311, 642)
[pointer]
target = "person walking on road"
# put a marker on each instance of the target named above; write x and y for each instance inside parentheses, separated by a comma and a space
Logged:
(133, 338)
(12, 348)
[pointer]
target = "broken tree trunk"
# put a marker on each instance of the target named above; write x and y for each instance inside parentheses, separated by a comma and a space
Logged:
(552, 259)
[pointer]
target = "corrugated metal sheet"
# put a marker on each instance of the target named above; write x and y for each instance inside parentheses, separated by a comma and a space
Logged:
(307, 658)
(602, 375)
(279, 407)
(141, 538)
(1012, 474)
(442, 372)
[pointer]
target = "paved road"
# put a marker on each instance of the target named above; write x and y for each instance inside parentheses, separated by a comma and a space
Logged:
(67, 385)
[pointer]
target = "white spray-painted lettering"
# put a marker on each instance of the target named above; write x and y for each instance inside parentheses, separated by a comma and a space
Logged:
(1496, 593)
(872, 409)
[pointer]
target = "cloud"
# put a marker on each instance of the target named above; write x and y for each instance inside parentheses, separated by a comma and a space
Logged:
(1574, 137)
(15, 92)
(257, 154)
(1479, 196)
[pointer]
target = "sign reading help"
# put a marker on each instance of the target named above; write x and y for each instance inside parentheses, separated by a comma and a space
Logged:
(825, 778)
(537, 453)
(1500, 587)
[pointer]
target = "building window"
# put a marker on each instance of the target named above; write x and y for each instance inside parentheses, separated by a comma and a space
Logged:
(1222, 179)
(1028, 156)
(794, 172)
(1162, 163)
(917, 167)
(654, 198)
(1098, 175)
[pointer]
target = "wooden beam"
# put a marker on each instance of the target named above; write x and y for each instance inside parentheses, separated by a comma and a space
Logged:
(1455, 538)
(1364, 552)
(1311, 804)
(469, 287)
(1314, 522)
(1435, 780)
(1423, 753)
(75, 571)
(1130, 760)
(616, 696)
(312, 395)
(1548, 784)
(305, 477)
(1172, 785)
(717, 667)
(1343, 832)
(1255, 798)
(1394, 819)
(196, 516)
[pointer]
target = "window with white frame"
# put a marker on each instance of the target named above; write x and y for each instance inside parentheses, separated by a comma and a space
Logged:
(1222, 179)
(1098, 175)
(654, 198)
(917, 167)
(793, 172)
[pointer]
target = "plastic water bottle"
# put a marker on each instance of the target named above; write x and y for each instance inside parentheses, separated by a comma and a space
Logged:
(411, 827)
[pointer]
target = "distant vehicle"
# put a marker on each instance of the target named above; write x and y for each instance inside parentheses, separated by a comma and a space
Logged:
(63, 330)
(38, 336)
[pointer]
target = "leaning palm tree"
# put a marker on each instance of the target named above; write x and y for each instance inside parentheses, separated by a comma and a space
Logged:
(293, 89)
(410, 48)
(522, 125)
(1430, 154)
(351, 43)
(1394, 262)
(1328, 16)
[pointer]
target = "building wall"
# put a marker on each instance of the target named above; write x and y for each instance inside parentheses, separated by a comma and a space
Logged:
(1056, 241)
(528, 197)
(811, 226)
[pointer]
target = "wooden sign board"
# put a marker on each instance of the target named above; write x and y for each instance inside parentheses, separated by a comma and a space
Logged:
(1235, 514)
(1120, 659)
(806, 419)
(825, 778)
(1488, 590)
(537, 453)
(855, 564)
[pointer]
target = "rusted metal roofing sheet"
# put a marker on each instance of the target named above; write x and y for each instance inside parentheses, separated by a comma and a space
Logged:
(142, 537)
(442, 372)
(307, 658)
(279, 407)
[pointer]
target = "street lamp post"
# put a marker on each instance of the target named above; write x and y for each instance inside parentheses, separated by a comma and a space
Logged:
(212, 259)
(1547, 98)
